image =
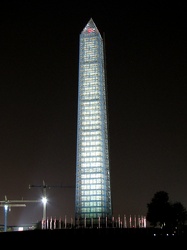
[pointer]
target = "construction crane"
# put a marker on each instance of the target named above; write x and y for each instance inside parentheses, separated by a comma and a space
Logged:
(44, 187)
(7, 204)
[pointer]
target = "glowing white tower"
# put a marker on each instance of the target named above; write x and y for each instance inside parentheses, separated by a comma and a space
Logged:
(93, 189)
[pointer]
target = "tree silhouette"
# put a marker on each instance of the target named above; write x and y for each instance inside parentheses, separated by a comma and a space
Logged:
(165, 214)
(179, 215)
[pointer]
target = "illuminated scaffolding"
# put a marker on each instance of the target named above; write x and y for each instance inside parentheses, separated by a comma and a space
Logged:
(93, 204)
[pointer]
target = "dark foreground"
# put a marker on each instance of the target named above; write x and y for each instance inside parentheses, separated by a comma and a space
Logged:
(89, 238)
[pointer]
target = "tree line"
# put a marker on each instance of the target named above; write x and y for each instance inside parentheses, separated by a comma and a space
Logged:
(165, 214)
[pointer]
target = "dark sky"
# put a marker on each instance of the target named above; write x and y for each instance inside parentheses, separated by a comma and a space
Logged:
(146, 55)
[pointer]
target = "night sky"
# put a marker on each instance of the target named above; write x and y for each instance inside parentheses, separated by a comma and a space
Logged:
(146, 62)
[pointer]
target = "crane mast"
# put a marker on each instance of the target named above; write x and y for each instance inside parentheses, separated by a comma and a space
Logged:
(7, 204)
(44, 187)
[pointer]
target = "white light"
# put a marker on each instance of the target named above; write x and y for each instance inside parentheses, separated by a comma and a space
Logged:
(6, 207)
(44, 200)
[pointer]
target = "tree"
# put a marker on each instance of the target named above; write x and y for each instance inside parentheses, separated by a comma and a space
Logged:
(179, 215)
(165, 214)
(159, 209)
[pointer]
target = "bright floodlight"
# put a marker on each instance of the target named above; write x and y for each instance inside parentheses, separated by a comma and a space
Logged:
(6, 207)
(44, 200)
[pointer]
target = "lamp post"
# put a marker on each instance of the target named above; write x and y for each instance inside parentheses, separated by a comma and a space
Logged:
(6, 211)
(44, 219)
(44, 198)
